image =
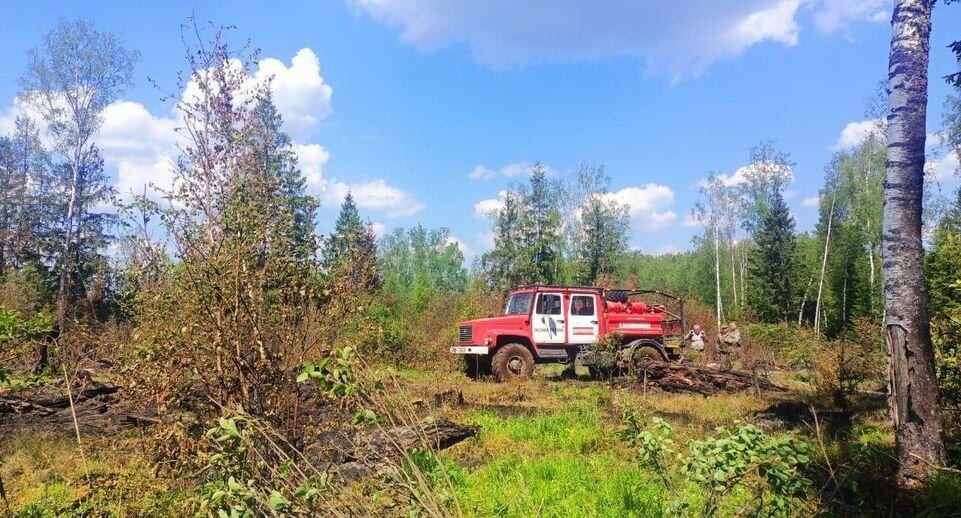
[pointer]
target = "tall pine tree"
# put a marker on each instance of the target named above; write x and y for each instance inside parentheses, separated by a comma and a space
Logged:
(350, 251)
(603, 240)
(771, 265)
(543, 240)
(528, 243)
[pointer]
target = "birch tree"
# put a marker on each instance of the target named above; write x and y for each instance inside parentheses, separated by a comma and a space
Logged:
(713, 212)
(71, 77)
(914, 400)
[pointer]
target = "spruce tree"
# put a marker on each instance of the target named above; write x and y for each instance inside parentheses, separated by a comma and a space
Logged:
(504, 265)
(771, 265)
(350, 251)
(271, 148)
(603, 240)
(543, 243)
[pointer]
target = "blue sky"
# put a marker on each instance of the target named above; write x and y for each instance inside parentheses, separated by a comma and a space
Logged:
(402, 101)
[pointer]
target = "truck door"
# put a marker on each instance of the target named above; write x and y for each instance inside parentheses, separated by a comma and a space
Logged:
(548, 321)
(582, 320)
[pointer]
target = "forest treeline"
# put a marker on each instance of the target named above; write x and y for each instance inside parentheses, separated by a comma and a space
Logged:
(217, 293)
(73, 254)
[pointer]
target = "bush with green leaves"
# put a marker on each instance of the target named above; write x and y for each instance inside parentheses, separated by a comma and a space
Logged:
(789, 346)
(253, 475)
(334, 374)
(15, 332)
(746, 460)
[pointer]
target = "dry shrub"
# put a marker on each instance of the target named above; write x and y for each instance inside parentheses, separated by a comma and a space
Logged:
(20, 292)
(847, 364)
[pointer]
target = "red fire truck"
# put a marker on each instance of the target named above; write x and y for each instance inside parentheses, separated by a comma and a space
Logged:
(594, 327)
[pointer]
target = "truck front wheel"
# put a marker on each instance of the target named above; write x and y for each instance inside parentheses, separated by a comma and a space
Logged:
(512, 362)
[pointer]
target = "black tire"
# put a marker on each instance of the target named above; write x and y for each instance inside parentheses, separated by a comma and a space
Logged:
(617, 296)
(644, 357)
(512, 362)
(476, 366)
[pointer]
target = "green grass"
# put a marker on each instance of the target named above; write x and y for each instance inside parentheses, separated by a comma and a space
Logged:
(561, 463)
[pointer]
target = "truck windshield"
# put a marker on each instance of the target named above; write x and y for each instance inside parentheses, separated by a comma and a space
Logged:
(519, 304)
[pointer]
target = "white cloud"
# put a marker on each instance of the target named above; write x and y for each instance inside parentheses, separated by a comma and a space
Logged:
(656, 221)
(482, 172)
(312, 158)
(671, 39)
(831, 15)
(647, 206)
(374, 194)
(643, 199)
(669, 248)
(854, 133)
(943, 168)
(691, 221)
(465, 250)
(813, 201)
(484, 208)
(741, 174)
(142, 147)
(300, 92)
(379, 228)
(486, 240)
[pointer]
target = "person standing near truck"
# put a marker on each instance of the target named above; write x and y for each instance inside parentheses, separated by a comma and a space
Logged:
(729, 344)
(696, 337)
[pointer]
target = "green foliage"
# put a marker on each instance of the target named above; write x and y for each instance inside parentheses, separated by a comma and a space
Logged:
(771, 266)
(943, 276)
(528, 245)
(679, 273)
(769, 467)
(553, 464)
(419, 264)
(603, 240)
(789, 346)
(334, 375)
(245, 486)
(16, 331)
(350, 251)
(852, 202)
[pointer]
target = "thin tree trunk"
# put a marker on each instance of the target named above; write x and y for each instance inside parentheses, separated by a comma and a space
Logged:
(717, 274)
(733, 276)
(824, 264)
(804, 300)
(914, 400)
(62, 296)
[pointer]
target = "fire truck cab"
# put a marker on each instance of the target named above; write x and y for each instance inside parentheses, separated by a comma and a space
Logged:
(600, 329)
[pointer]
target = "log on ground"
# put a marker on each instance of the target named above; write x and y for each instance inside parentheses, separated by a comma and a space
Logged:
(702, 380)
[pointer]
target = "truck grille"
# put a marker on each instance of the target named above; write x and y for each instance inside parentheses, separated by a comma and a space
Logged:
(466, 333)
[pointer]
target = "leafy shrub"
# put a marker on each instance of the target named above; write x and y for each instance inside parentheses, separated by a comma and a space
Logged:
(254, 477)
(768, 467)
(788, 345)
(15, 332)
(848, 362)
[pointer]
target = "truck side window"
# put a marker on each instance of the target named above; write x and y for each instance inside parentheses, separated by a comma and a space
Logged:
(582, 305)
(548, 304)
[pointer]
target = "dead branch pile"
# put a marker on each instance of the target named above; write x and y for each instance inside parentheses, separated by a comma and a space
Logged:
(705, 381)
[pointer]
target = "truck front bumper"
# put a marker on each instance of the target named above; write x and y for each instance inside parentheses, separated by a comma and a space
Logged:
(470, 349)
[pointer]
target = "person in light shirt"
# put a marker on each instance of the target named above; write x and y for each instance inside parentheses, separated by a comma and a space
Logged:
(696, 337)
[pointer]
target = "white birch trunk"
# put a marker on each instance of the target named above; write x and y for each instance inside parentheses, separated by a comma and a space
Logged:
(915, 407)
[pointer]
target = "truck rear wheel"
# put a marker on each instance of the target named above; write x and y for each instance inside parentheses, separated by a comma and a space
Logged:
(644, 358)
(512, 362)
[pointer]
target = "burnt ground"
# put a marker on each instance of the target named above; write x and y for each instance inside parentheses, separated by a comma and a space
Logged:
(102, 409)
